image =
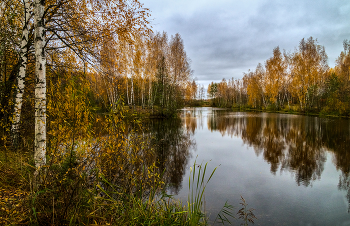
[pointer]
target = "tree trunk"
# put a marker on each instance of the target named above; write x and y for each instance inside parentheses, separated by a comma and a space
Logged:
(2, 8)
(142, 91)
(149, 92)
(40, 85)
(127, 90)
(21, 74)
(132, 90)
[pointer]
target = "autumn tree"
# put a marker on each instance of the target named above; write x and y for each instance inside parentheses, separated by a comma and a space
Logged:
(309, 65)
(275, 74)
(254, 98)
(300, 75)
(342, 72)
(23, 58)
(179, 65)
(256, 86)
(190, 91)
(167, 70)
(212, 91)
(11, 29)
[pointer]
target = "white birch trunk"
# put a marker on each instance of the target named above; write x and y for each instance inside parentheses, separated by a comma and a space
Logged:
(2, 46)
(149, 92)
(127, 90)
(114, 95)
(109, 101)
(40, 85)
(286, 96)
(2, 8)
(132, 90)
(22, 73)
(142, 90)
(162, 102)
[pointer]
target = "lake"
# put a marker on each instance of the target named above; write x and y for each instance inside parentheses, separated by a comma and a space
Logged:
(292, 169)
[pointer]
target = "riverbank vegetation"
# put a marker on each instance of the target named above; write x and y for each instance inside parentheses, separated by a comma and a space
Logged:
(299, 82)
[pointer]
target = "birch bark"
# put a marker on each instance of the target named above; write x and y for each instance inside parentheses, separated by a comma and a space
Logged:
(127, 89)
(40, 85)
(2, 7)
(149, 91)
(22, 72)
(132, 89)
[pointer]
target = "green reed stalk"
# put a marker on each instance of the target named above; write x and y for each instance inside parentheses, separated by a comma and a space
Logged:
(195, 198)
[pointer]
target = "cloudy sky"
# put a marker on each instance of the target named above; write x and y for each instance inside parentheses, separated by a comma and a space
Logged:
(225, 38)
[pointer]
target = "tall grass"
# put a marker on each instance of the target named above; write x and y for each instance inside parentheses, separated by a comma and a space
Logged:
(69, 197)
(246, 214)
(77, 199)
(196, 214)
(197, 184)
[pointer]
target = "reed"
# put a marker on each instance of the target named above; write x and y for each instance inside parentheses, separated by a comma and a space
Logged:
(197, 184)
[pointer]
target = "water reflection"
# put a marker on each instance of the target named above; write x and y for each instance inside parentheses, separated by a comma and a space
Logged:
(297, 144)
(344, 184)
(307, 148)
(172, 145)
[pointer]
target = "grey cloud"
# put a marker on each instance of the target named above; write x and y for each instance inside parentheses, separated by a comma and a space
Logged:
(227, 38)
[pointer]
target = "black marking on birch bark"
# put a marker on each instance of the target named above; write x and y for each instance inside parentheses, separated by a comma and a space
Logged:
(41, 23)
(40, 68)
(24, 38)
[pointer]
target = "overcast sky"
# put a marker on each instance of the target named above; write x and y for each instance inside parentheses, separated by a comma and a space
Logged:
(225, 38)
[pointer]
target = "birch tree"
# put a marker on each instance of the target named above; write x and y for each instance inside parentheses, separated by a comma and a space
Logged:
(179, 65)
(2, 7)
(10, 42)
(40, 84)
(309, 66)
(275, 72)
(22, 70)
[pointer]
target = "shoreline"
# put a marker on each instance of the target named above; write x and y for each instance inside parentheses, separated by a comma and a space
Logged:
(238, 109)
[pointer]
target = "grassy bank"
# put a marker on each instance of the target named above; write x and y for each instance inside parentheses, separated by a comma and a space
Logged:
(67, 196)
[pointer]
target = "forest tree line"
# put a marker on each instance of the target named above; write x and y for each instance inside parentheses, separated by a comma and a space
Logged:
(153, 71)
(291, 81)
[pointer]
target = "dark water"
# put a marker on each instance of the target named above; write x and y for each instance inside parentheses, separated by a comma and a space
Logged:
(293, 170)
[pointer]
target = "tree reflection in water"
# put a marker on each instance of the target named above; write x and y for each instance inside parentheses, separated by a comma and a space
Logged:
(298, 144)
(173, 146)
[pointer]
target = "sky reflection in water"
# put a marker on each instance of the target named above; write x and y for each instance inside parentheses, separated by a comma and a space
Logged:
(294, 170)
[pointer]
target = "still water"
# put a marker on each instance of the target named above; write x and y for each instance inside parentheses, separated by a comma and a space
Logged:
(293, 170)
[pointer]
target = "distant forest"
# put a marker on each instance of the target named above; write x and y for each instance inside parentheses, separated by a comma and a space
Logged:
(298, 81)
